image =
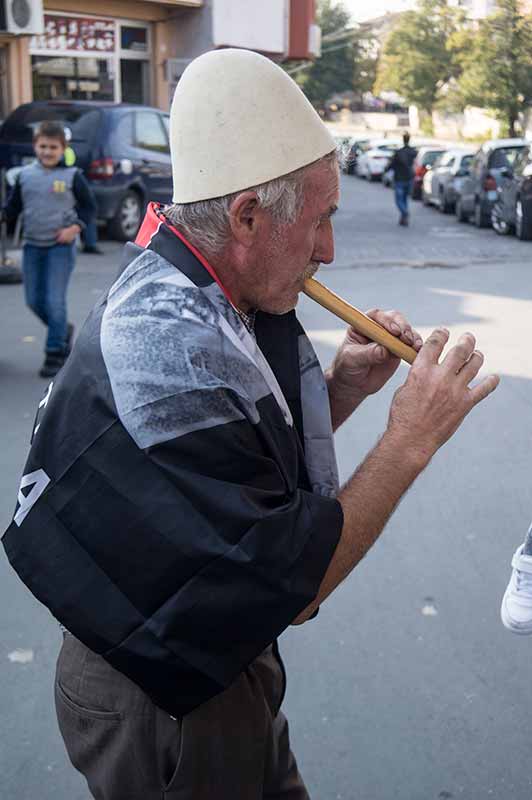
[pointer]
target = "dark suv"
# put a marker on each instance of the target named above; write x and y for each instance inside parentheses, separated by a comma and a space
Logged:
(513, 208)
(479, 189)
(122, 149)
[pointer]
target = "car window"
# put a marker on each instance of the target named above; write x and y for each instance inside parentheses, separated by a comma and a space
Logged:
(521, 161)
(503, 157)
(123, 131)
(150, 133)
(430, 157)
(465, 163)
(83, 121)
(445, 160)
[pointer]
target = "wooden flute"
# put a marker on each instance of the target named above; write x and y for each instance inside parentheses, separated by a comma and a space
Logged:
(358, 320)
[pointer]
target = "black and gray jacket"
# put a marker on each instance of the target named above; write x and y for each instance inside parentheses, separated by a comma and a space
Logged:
(49, 199)
(178, 507)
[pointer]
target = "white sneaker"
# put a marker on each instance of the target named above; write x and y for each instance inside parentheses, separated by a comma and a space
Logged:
(516, 608)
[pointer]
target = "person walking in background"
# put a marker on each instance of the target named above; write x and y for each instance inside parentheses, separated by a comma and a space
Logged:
(56, 203)
(403, 174)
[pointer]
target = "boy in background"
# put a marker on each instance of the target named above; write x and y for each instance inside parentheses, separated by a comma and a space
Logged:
(56, 203)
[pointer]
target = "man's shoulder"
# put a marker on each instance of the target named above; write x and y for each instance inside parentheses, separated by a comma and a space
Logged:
(167, 351)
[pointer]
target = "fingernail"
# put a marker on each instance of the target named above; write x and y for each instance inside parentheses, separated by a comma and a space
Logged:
(419, 342)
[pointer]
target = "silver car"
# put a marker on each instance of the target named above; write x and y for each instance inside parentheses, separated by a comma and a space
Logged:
(442, 182)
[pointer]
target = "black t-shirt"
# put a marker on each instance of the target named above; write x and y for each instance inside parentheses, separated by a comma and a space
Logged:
(401, 163)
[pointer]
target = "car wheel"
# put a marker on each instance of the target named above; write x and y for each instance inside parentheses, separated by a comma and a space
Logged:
(126, 222)
(461, 215)
(498, 223)
(445, 205)
(479, 217)
(523, 221)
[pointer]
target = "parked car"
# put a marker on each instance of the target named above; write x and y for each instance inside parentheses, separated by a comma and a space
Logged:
(479, 190)
(426, 156)
(374, 158)
(349, 164)
(512, 211)
(442, 181)
(122, 149)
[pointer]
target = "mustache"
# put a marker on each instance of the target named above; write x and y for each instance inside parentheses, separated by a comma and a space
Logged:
(311, 270)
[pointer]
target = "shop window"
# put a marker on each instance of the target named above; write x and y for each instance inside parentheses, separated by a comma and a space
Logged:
(150, 133)
(134, 39)
(70, 78)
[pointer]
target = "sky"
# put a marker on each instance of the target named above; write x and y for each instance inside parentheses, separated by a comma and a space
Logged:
(367, 9)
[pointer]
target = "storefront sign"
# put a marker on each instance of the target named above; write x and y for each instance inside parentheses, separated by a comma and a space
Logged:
(79, 34)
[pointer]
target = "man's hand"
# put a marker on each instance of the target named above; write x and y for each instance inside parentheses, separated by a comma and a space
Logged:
(361, 367)
(67, 235)
(436, 397)
(425, 413)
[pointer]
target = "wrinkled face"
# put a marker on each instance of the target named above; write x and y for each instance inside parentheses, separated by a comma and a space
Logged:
(49, 151)
(288, 254)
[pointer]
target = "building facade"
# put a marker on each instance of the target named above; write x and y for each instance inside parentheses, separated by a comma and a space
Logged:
(135, 50)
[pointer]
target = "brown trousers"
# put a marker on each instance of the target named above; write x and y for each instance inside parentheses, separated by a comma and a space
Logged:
(234, 747)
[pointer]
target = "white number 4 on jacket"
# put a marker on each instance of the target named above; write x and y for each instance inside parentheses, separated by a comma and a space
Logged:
(38, 480)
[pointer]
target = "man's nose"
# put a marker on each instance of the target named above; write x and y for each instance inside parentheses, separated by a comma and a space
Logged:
(324, 245)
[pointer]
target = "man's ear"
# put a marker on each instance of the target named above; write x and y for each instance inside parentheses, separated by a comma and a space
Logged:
(245, 216)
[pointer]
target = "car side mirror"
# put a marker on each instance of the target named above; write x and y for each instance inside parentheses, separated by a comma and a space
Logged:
(462, 173)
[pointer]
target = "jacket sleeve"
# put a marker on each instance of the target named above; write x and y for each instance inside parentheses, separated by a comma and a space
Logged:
(254, 548)
(83, 194)
(13, 207)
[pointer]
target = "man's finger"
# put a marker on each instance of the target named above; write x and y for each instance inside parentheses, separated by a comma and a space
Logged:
(353, 337)
(471, 367)
(483, 389)
(394, 322)
(460, 353)
(433, 347)
(373, 354)
(418, 340)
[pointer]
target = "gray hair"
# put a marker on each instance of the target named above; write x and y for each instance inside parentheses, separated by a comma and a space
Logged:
(206, 223)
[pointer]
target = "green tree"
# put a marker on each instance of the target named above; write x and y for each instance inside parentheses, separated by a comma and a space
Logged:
(496, 70)
(347, 62)
(417, 59)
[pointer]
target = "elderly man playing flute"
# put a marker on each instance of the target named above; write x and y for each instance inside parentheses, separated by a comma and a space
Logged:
(180, 505)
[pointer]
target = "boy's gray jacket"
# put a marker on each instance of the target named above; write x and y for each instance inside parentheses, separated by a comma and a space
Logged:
(177, 510)
(48, 202)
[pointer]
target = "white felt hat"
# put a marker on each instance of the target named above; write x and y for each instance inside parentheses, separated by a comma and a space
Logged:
(237, 120)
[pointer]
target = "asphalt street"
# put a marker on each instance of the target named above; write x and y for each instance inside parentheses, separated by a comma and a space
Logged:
(406, 686)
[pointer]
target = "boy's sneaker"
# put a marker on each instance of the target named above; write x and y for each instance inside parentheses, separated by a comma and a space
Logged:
(516, 608)
(52, 364)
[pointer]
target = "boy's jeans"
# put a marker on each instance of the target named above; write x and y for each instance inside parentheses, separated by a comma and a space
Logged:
(46, 273)
(402, 192)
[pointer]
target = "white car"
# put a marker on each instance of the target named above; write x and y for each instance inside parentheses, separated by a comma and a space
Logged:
(373, 161)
